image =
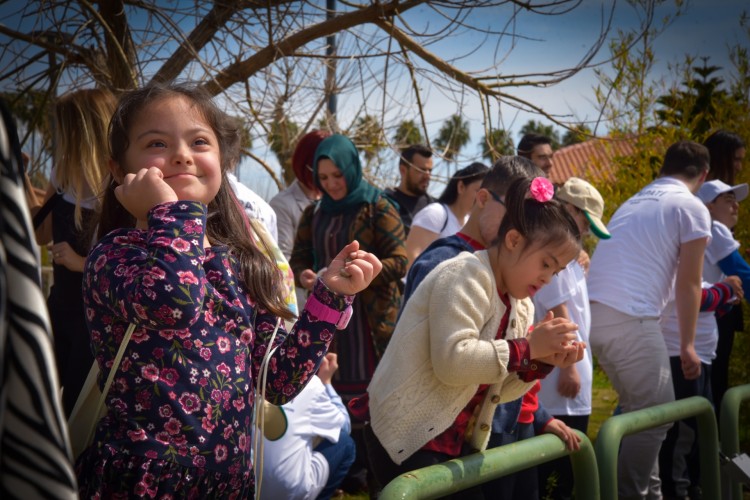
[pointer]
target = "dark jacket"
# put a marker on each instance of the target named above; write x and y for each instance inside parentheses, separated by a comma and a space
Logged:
(379, 230)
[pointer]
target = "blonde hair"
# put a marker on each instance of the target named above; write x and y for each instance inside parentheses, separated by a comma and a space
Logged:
(81, 148)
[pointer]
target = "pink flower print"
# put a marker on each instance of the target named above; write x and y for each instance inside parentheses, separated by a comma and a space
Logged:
(160, 212)
(216, 395)
(199, 461)
(140, 311)
(158, 352)
(165, 411)
(242, 441)
(223, 344)
(207, 425)
(230, 325)
(125, 364)
(140, 335)
(162, 437)
(289, 389)
(209, 317)
(157, 273)
(246, 337)
(542, 189)
(120, 385)
(169, 258)
(274, 365)
(100, 262)
(309, 365)
(205, 353)
(169, 376)
(180, 245)
(239, 361)
(150, 372)
(194, 450)
(180, 441)
(192, 226)
(228, 431)
(291, 352)
(144, 398)
(190, 402)
(137, 435)
(172, 426)
(187, 278)
(213, 276)
(223, 369)
(147, 280)
(326, 335)
(166, 334)
(238, 404)
(161, 241)
(220, 453)
(203, 382)
(303, 336)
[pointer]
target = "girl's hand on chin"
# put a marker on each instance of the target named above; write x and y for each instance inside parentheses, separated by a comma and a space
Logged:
(352, 270)
(142, 191)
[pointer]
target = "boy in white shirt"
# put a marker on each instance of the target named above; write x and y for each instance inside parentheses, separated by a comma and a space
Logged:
(679, 464)
(566, 392)
(313, 456)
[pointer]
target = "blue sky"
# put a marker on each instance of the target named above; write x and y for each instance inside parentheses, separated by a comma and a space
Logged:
(707, 29)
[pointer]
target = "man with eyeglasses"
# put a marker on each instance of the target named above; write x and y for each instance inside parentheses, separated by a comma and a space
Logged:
(538, 149)
(415, 167)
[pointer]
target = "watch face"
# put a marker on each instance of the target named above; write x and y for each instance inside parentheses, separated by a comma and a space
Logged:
(343, 321)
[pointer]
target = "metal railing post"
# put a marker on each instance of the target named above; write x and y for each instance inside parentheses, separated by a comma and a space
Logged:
(615, 428)
(729, 427)
(462, 473)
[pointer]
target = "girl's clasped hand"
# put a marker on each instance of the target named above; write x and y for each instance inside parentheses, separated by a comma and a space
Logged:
(555, 342)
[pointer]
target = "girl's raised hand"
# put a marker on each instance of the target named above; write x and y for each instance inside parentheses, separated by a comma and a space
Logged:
(352, 270)
(554, 336)
(142, 191)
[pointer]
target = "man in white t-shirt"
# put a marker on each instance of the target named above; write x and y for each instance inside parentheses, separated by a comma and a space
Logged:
(312, 457)
(658, 240)
(722, 264)
(566, 392)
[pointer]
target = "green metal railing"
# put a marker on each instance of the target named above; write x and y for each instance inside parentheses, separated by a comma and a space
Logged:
(729, 427)
(462, 473)
(617, 427)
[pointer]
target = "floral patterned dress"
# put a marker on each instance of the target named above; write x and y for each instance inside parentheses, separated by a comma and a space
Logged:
(179, 417)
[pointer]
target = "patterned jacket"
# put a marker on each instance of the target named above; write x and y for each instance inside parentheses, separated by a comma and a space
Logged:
(379, 230)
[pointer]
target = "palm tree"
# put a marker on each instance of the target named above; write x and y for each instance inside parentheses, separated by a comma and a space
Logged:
(497, 143)
(578, 133)
(534, 127)
(369, 137)
(407, 133)
(452, 137)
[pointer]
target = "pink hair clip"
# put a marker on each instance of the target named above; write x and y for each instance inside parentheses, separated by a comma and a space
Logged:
(542, 189)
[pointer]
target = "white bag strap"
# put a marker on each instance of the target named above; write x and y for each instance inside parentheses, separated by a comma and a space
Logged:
(110, 378)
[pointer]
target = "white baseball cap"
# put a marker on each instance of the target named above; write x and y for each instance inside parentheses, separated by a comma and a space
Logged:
(711, 189)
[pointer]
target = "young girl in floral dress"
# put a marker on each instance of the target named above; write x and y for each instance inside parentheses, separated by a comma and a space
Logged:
(178, 262)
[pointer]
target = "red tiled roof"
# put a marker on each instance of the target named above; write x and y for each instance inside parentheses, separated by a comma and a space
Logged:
(590, 160)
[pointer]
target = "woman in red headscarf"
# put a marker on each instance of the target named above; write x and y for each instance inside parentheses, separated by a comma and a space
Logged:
(292, 201)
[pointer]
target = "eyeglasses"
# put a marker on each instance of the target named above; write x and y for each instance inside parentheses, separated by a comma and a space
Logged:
(496, 198)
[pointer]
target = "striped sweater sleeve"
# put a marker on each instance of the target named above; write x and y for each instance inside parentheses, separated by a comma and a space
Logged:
(716, 297)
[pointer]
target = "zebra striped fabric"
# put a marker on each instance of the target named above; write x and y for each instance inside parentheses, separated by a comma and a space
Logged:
(34, 448)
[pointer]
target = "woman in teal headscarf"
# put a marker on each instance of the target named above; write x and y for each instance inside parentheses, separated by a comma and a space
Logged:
(352, 208)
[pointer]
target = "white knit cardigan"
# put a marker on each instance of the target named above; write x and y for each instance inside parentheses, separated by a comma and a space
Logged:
(443, 348)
